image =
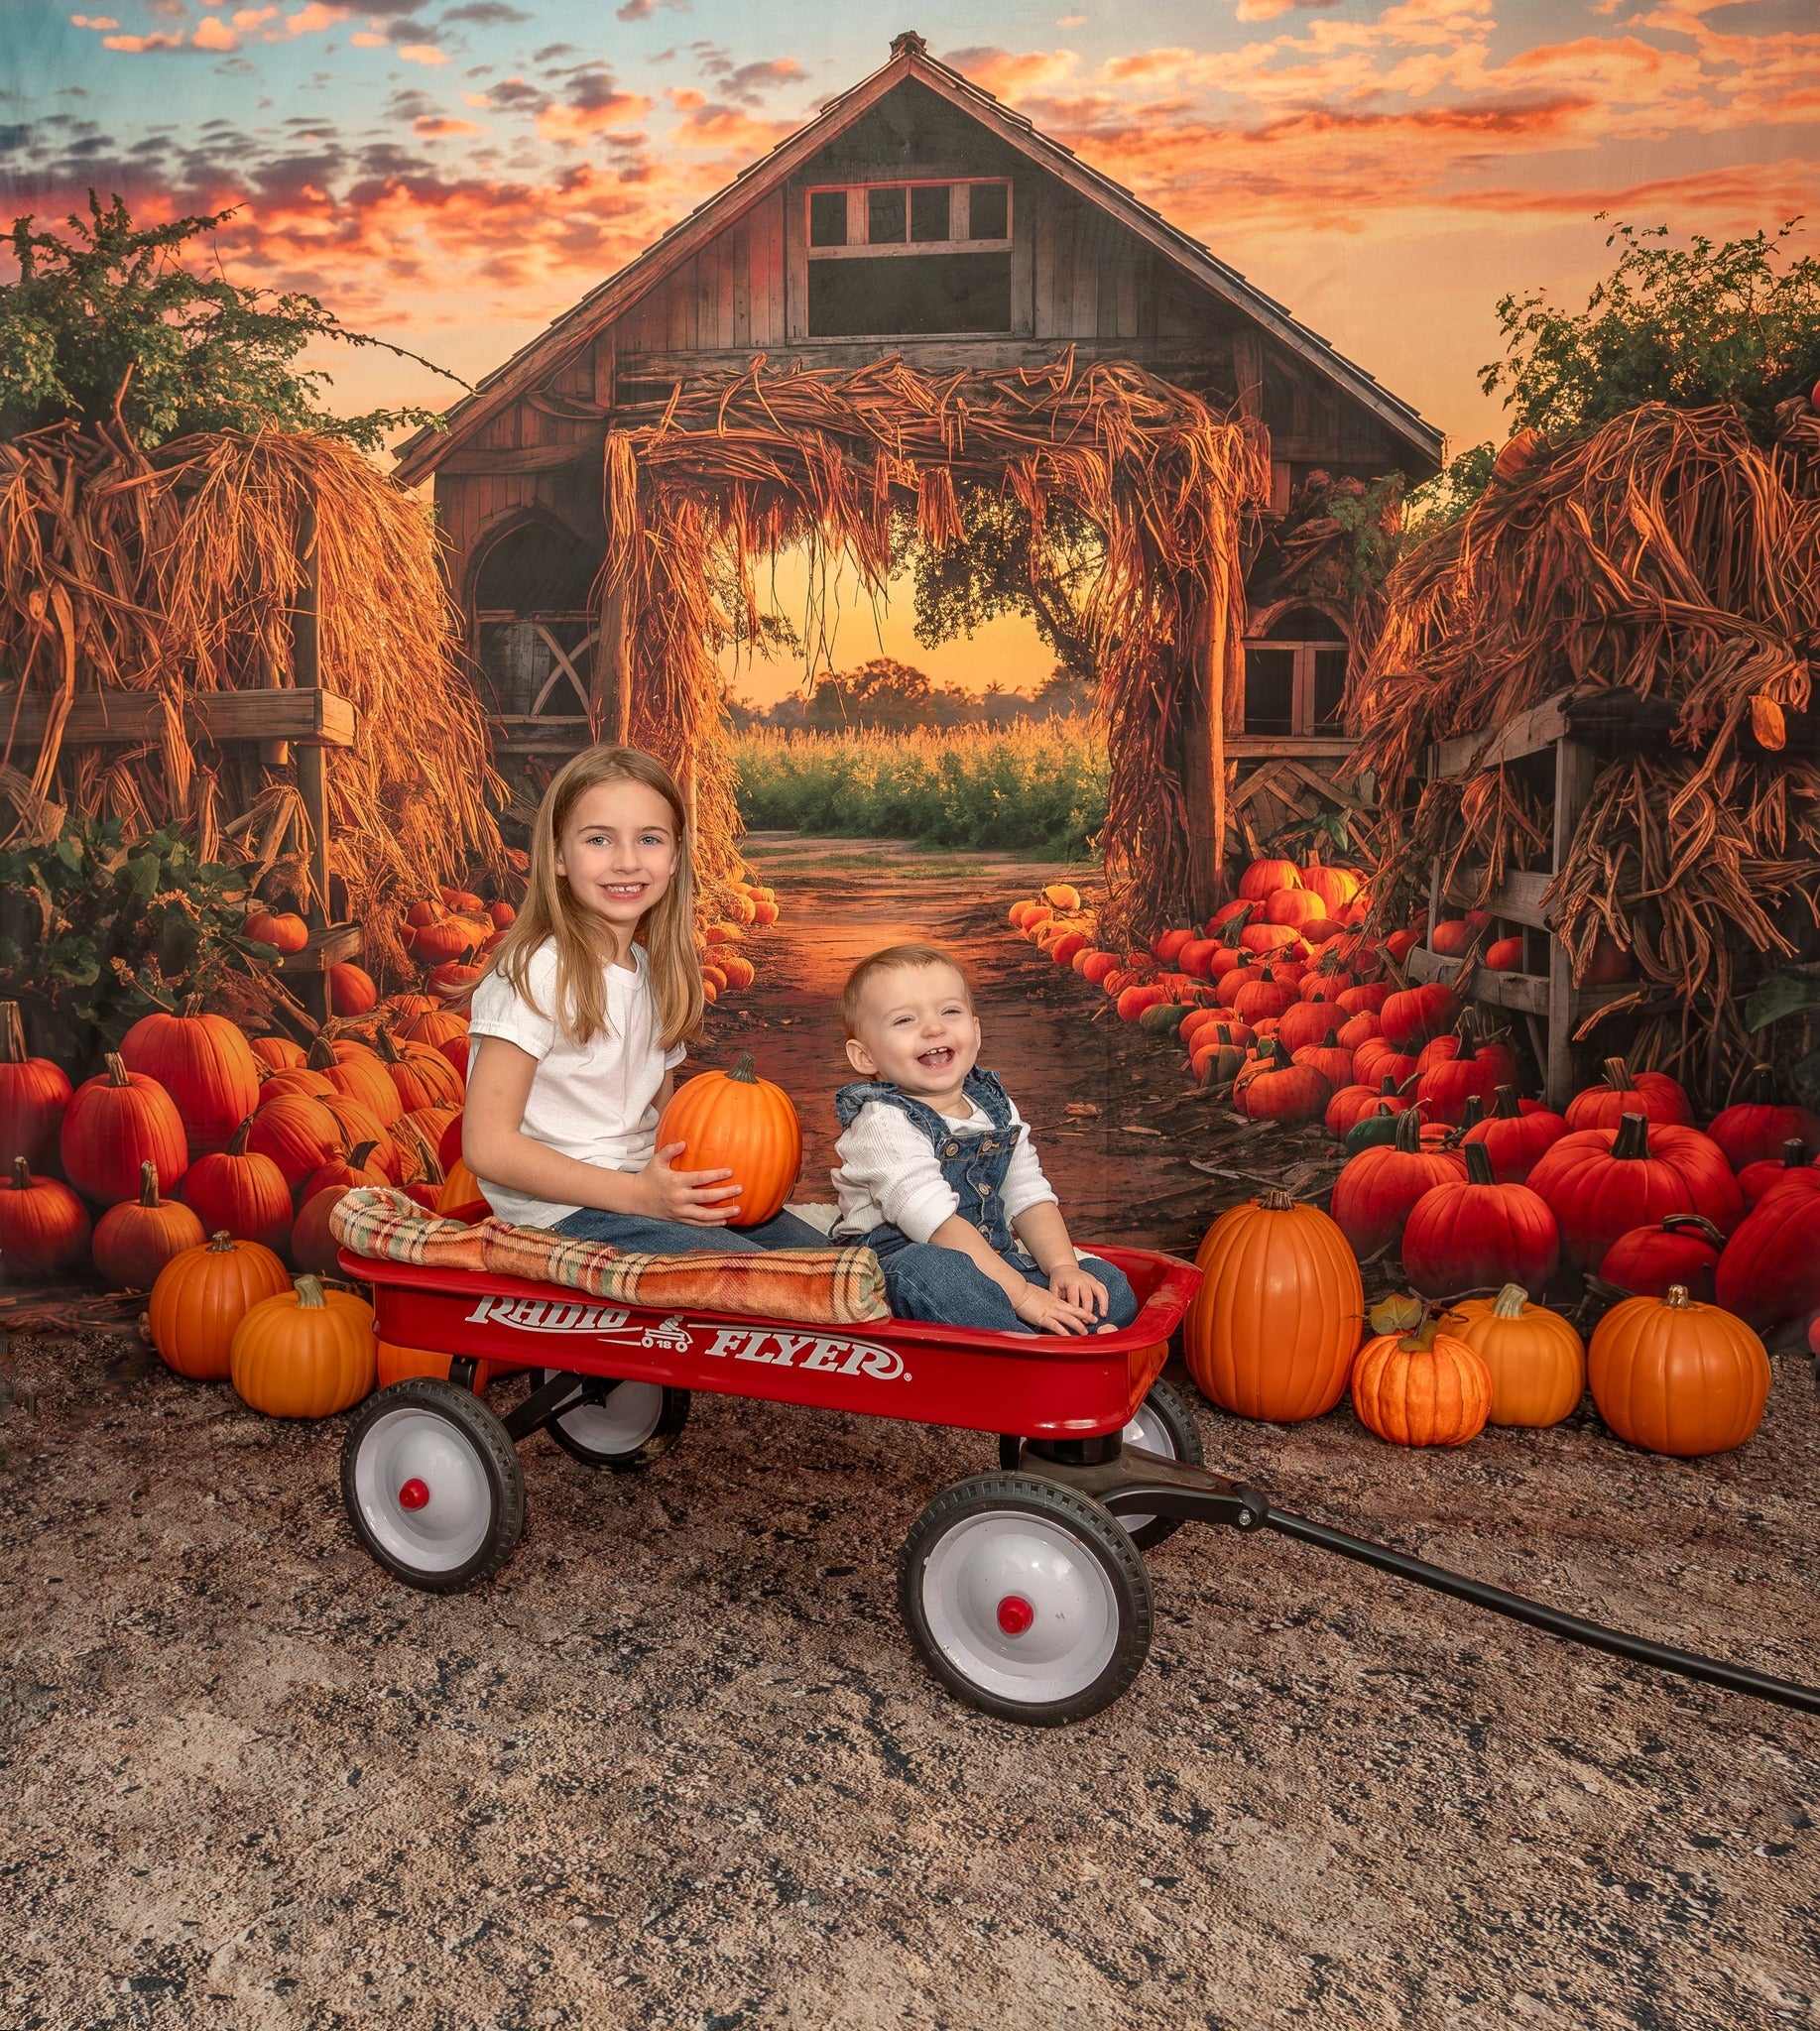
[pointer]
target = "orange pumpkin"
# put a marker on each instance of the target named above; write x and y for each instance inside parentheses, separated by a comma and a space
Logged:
(399, 1363)
(434, 1026)
(357, 1123)
(1536, 1358)
(739, 1121)
(460, 1197)
(351, 989)
(136, 1238)
(421, 1074)
(1264, 878)
(297, 1132)
(304, 1352)
(1273, 1328)
(44, 1225)
(280, 929)
(1416, 1386)
(739, 971)
(1677, 1377)
(200, 1298)
(351, 1068)
(115, 1121)
(34, 1094)
(241, 1190)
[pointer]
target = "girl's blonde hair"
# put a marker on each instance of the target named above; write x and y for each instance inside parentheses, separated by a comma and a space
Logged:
(667, 930)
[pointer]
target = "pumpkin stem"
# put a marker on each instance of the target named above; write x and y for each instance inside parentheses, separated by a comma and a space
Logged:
(1479, 1165)
(1511, 1300)
(1678, 1299)
(1473, 1113)
(192, 1005)
(221, 1243)
(237, 1141)
(12, 1035)
(1794, 1153)
(321, 1056)
(1389, 1088)
(1506, 1108)
(1274, 1199)
(116, 1070)
(22, 1176)
(359, 1158)
(1333, 1040)
(1633, 1139)
(745, 1071)
(1409, 1130)
(1466, 1030)
(1618, 1076)
(1697, 1223)
(310, 1296)
(148, 1183)
(1763, 1085)
(387, 1048)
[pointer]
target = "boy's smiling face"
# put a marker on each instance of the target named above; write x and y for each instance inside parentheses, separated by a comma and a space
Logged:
(916, 1028)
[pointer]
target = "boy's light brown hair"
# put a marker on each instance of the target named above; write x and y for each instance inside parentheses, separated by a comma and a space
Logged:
(891, 960)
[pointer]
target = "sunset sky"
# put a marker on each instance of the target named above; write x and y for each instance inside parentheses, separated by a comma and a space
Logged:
(453, 177)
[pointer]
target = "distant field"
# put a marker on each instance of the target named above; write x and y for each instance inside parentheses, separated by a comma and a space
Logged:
(1038, 786)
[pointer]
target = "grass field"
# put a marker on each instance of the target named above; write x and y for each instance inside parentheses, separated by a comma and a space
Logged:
(1038, 786)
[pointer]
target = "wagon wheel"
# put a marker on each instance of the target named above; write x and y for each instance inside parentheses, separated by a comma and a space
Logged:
(632, 1426)
(433, 1484)
(1163, 1424)
(1025, 1599)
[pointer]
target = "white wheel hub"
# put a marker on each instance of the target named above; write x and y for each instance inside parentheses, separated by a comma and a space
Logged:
(423, 1490)
(1020, 1607)
(1147, 1430)
(621, 1424)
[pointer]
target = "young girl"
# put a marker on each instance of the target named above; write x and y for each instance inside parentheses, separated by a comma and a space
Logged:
(579, 1026)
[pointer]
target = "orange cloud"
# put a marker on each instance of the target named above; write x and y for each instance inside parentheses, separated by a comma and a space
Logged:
(1009, 77)
(213, 34)
(423, 52)
(433, 127)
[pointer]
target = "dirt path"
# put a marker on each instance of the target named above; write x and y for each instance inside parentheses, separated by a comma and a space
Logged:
(677, 1768)
(1123, 1173)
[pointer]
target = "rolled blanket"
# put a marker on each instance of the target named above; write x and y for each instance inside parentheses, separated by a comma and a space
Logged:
(808, 1286)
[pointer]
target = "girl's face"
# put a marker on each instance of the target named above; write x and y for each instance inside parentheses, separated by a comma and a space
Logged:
(618, 854)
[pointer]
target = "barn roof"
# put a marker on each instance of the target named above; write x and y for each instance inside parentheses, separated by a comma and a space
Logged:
(422, 452)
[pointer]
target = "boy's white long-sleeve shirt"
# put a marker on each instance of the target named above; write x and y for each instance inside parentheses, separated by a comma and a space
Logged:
(888, 1174)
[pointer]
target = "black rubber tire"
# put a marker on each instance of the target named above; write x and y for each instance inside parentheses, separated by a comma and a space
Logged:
(1099, 1537)
(488, 1440)
(1177, 1420)
(671, 1418)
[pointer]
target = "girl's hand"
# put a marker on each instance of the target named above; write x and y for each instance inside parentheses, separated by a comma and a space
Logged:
(695, 1196)
(1074, 1287)
(1050, 1313)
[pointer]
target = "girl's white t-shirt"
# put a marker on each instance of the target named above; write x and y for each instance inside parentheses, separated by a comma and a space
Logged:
(594, 1102)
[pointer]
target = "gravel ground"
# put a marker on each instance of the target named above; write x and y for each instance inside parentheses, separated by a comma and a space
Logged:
(677, 1766)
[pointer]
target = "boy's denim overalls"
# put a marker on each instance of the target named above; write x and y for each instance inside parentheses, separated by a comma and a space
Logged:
(924, 1280)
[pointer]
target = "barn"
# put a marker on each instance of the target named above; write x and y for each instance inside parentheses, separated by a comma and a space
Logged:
(920, 218)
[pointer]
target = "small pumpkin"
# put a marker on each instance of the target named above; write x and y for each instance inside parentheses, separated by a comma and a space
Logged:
(461, 1197)
(1414, 1017)
(1649, 1261)
(1375, 1190)
(314, 1246)
(1653, 1095)
(1516, 1135)
(1504, 955)
(1274, 1327)
(44, 1227)
(1757, 1128)
(1457, 1066)
(1279, 1090)
(357, 1071)
(1376, 1129)
(739, 1121)
(200, 1298)
(280, 929)
(421, 1074)
(351, 989)
(356, 1123)
(34, 1094)
(1473, 1232)
(1678, 1377)
(240, 1190)
(1536, 1359)
(136, 1238)
(115, 1121)
(277, 1053)
(1766, 1174)
(1265, 877)
(1330, 1058)
(433, 1027)
(1357, 1103)
(1416, 1386)
(344, 1172)
(304, 1352)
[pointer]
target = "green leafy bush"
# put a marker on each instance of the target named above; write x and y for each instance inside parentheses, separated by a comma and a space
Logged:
(1036, 786)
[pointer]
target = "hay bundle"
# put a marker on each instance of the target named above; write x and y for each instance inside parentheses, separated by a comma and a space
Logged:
(1670, 558)
(177, 575)
(722, 476)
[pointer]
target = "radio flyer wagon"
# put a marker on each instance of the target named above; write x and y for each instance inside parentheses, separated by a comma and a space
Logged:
(1023, 1590)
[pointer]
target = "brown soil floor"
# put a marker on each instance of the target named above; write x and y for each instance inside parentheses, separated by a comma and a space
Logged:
(678, 1767)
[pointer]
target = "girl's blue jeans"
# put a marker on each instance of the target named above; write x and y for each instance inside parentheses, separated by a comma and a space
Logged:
(638, 1234)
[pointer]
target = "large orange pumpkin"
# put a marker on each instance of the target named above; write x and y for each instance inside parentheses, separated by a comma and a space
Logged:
(1416, 1386)
(136, 1238)
(297, 1132)
(304, 1352)
(354, 1069)
(351, 989)
(421, 1074)
(44, 1225)
(1678, 1377)
(737, 1122)
(200, 1298)
(239, 1189)
(115, 1121)
(1265, 878)
(1273, 1328)
(1536, 1358)
(34, 1094)
(204, 1063)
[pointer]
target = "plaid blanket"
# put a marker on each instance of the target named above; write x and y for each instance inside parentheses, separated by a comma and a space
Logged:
(809, 1286)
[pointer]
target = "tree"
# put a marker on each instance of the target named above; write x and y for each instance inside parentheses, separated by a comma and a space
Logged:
(880, 693)
(109, 322)
(1690, 325)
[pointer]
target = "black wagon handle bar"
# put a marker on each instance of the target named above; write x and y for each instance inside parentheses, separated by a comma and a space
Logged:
(1572, 1628)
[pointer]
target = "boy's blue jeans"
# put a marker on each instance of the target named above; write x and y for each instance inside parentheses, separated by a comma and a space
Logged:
(943, 1287)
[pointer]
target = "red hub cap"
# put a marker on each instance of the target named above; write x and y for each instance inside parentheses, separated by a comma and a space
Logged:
(1016, 1614)
(414, 1495)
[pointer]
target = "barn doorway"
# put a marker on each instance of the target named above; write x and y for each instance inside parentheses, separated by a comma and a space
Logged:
(536, 641)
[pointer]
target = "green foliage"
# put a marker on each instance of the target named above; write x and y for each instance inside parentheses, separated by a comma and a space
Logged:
(1374, 524)
(96, 932)
(988, 573)
(110, 321)
(882, 693)
(1035, 786)
(1737, 323)
(1448, 496)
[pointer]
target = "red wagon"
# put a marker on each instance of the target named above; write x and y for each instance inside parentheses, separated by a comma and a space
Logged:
(1023, 1590)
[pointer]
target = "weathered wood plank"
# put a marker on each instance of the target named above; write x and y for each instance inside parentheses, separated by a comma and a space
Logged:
(311, 718)
(529, 459)
(1528, 734)
(735, 321)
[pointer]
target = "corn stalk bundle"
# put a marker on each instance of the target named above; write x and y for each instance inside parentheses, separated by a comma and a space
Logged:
(177, 575)
(722, 476)
(1670, 557)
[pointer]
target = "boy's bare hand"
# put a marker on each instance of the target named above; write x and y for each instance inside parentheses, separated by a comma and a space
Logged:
(695, 1196)
(1086, 1293)
(1048, 1313)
